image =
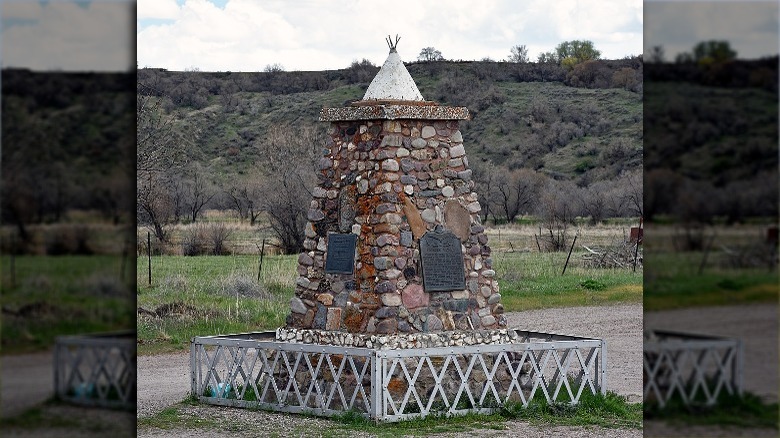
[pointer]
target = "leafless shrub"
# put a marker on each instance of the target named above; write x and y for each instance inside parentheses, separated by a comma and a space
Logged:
(105, 285)
(193, 242)
(240, 285)
(219, 234)
(68, 239)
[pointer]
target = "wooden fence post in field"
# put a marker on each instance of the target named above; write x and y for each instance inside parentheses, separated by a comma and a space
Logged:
(13, 260)
(149, 252)
(260, 263)
(125, 251)
(567, 257)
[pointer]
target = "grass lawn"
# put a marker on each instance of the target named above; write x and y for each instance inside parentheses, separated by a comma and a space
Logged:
(533, 280)
(674, 280)
(209, 295)
(47, 296)
(609, 411)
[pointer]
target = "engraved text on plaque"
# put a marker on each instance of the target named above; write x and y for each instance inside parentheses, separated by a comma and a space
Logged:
(442, 261)
(340, 258)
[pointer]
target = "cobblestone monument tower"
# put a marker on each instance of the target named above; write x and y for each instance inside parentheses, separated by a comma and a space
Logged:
(394, 242)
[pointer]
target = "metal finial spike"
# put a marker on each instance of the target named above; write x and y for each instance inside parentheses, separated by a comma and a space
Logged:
(390, 42)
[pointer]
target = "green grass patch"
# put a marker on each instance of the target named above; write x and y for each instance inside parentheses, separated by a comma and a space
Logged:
(674, 280)
(68, 419)
(48, 296)
(532, 280)
(743, 411)
(610, 410)
(172, 417)
(35, 418)
(210, 295)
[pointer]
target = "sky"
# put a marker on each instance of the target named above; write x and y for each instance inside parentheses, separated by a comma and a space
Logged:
(751, 27)
(67, 35)
(247, 35)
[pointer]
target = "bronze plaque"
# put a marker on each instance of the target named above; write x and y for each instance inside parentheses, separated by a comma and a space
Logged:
(442, 261)
(340, 257)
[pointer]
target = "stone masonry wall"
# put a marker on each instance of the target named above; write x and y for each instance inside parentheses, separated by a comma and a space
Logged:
(388, 182)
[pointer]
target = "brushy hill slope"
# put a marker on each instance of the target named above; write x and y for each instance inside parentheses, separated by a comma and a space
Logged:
(523, 115)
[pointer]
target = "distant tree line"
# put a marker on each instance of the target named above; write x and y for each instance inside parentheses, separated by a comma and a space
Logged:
(68, 144)
(507, 195)
(711, 135)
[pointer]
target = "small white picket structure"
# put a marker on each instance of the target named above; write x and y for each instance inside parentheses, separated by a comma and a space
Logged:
(696, 368)
(96, 370)
(253, 370)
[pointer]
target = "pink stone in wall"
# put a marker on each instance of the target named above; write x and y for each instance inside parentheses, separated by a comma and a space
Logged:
(334, 319)
(414, 296)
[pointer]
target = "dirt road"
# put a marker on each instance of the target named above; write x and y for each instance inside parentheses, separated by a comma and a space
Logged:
(27, 381)
(755, 324)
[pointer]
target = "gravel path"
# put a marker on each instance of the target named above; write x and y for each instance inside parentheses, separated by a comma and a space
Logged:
(757, 326)
(27, 381)
(163, 380)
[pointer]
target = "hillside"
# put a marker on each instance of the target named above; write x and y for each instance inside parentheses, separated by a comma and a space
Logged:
(711, 137)
(524, 115)
(68, 143)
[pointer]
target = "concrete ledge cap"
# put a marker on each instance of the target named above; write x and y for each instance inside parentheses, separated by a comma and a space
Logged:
(394, 112)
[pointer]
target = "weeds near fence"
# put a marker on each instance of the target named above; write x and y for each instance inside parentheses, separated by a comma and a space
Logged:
(214, 295)
(51, 296)
(747, 410)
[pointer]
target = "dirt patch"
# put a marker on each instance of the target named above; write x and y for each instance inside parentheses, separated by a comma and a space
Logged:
(176, 309)
(38, 309)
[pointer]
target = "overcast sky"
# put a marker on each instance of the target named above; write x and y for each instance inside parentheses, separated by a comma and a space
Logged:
(751, 27)
(247, 35)
(67, 35)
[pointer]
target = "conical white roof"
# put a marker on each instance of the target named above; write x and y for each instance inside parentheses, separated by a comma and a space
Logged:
(393, 82)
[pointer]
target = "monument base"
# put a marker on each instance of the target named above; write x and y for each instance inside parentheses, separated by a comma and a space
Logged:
(387, 382)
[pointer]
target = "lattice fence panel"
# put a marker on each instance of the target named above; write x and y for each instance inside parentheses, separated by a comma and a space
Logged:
(456, 381)
(694, 368)
(250, 370)
(282, 377)
(97, 370)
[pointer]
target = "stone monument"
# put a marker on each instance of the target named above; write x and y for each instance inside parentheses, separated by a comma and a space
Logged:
(394, 242)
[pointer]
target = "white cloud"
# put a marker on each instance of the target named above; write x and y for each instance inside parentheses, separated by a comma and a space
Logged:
(157, 9)
(246, 35)
(67, 36)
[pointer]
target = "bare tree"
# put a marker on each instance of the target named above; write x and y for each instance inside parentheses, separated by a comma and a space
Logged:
(198, 191)
(245, 196)
(158, 152)
(633, 193)
(485, 177)
(516, 191)
(274, 68)
(154, 204)
(594, 201)
(157, 143)
(430, 54)
(557, 209)
(518, 54)
(288, 167)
